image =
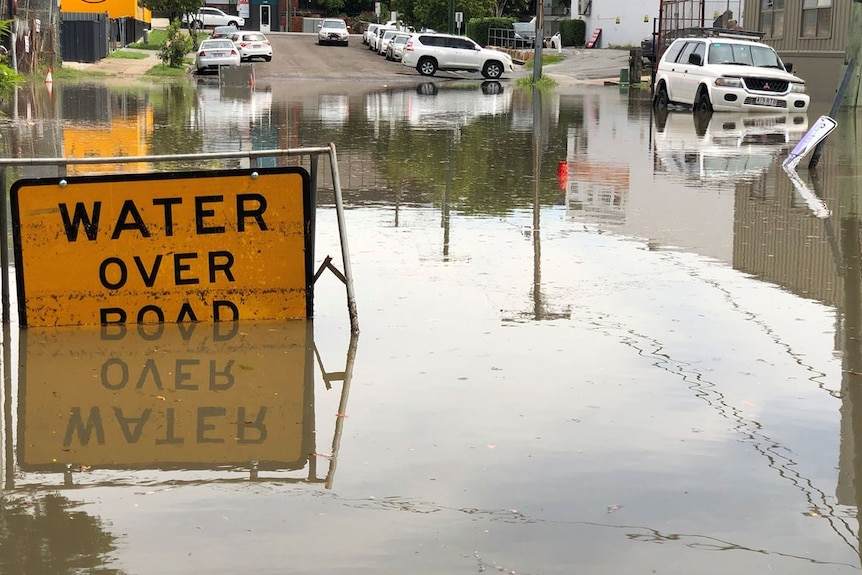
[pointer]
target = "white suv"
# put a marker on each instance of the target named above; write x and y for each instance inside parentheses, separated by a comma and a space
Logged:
(431, 52)
(727, 74)
(208, 17)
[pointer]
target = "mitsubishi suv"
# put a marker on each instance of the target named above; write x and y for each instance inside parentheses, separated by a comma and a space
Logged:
(726, 74)
(431, 52)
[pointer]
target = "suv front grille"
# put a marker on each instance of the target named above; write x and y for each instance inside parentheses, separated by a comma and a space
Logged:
(766, 84)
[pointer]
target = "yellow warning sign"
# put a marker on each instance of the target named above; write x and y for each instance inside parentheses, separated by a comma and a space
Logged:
(152, 248)
(166, 395)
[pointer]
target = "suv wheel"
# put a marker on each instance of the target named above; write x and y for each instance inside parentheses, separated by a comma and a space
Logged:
(661, 100)
(197, 25)
(492, 70)
(234, 24)
(702, 103)
(427, 66)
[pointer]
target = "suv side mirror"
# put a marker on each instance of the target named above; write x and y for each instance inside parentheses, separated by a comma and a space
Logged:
(695, 60)
(789, 67)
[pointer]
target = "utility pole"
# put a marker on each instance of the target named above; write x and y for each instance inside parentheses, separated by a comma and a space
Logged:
(538, 41)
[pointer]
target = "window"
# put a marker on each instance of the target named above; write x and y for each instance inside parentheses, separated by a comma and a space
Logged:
(772, 18)
(460, 43)
(816, 18)
(700, 50)
(690, 49)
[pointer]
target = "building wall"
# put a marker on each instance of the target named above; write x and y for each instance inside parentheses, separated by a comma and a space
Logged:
(819, 61)
(114, 8)
(623, 22)
(627, 22)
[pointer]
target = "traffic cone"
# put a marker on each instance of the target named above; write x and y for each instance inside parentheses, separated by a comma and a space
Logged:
(49, 79)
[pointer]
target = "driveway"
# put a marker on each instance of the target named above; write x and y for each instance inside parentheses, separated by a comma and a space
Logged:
(297, 56)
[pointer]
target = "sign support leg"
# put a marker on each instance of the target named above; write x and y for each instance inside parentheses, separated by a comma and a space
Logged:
(342, 233)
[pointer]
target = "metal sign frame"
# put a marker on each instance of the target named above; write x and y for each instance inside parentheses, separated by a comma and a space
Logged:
(312, 154)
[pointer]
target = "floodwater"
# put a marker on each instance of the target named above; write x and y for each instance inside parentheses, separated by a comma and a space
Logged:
(592, 341)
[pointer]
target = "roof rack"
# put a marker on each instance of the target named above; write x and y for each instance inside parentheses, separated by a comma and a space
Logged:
(725, 33)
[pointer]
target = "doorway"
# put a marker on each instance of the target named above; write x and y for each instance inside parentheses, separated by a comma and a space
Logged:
(265, 17)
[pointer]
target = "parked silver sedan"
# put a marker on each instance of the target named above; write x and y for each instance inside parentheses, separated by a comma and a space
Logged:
(214, 53)
(395, 48)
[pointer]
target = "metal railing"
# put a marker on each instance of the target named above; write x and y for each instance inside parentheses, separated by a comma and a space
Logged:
(253, 156)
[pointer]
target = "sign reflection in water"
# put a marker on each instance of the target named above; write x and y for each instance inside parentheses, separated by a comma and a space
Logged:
(227, 396)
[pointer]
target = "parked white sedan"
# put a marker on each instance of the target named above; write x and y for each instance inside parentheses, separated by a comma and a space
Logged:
(252, 45)
(214, 53)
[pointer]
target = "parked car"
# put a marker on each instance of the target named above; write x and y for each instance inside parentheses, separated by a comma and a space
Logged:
(332, 31)
(374, 40)
(395, 49)
(252, 45)
(208, 17)
(214, 53)
(525, 34)
(370, 31)
(648, 47)
(223, 32)
(431, 52)
(654, 44)
(724, 73)
(384, 41)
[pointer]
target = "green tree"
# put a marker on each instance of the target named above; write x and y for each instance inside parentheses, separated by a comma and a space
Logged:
(8, 78)
(176, 46)
(332, 7)
(435, 13)
(175, 9)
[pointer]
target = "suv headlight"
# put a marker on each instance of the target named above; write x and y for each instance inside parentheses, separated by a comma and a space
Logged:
(797, 87)
(728, 82)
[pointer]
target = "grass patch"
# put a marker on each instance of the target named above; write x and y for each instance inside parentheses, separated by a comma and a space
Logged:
(63, 73)
(546, 59)
(162, 70)
(126, 55)
(159, 37)
(544, 83)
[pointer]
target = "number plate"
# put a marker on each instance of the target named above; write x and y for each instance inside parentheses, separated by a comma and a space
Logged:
(764, 101)
(219, 54)
(255, 45)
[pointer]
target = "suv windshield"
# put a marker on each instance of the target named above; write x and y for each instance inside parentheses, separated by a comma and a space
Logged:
(744, 55)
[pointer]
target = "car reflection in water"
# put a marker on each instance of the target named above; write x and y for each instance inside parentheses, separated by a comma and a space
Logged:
(726, 146)
(243, 113)
(456, 106)
(432, 105)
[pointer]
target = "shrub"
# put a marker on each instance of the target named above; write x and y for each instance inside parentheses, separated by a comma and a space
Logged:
(573, 32)
(176, 46)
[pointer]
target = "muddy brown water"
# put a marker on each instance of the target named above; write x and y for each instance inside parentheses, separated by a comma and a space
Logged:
(591, 341)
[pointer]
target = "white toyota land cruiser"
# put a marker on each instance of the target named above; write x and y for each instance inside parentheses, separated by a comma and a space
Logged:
(431, 52)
